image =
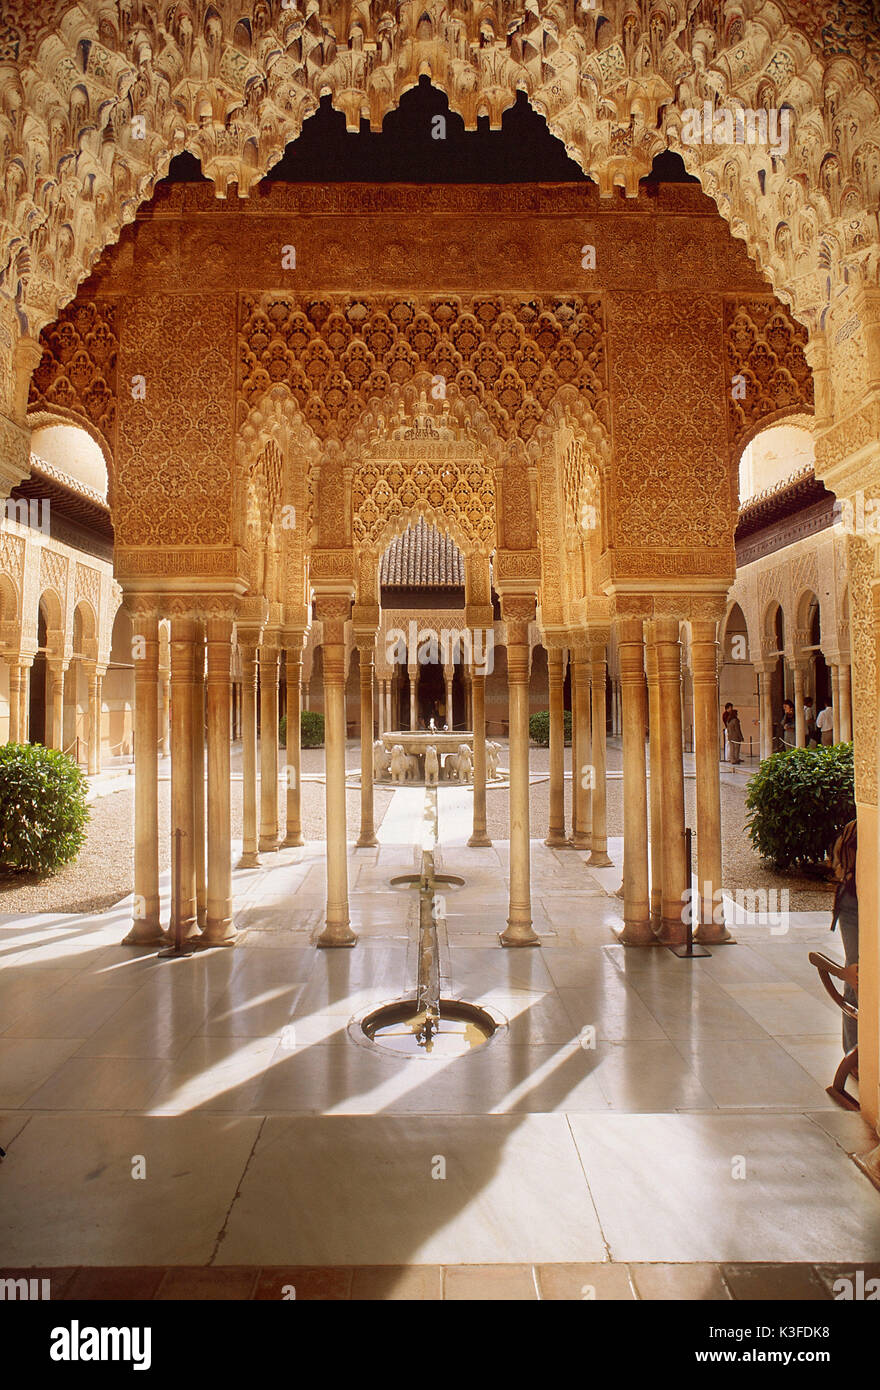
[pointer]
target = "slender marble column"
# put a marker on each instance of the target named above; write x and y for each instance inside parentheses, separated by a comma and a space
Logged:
(835, 703)
(672, 927)
(219, 929)
(765, 696)
(55, 712)
(556, 837)
(269, 660)
(636, 910)
(413, 697)
(479, 835)
(800, 724)
(96, 681)
(704, 666)
(517, 613)
(337, 930)
(183, 885)
(448, 674)
(389, 695)
(581, 756)
(293, 775)
(198, 757)
(367, 650)
(248, 651)
(380, 712)
(146, 926)
(165, 725)
(24, 702)
(845, 714)
(15, 674)
(598, 830)
(655, 782)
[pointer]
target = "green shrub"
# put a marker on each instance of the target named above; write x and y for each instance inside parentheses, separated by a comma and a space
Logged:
(799, 801)
(43, 810)
(539, 727)
(312, 729)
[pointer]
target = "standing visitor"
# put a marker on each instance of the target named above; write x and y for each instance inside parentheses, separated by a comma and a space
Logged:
(725, 743)
(810, 723)
(788, 724)
(846, 914)
(825, 724)
(734, 736)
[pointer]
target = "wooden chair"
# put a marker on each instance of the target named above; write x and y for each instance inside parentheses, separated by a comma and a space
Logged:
(848, 975)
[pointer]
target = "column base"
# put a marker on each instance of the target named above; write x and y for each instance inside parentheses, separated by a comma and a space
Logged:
(672, 932)
(217, 933)
(294, 841)
(599, 860)
(189, 932)
(202, 918)
(557, 839)
(249, 860)
(144, 933)
(638, 933)
(366, 842)
(518, 934)
(268, 846)
(579, 841)
(712, 934)
(336, 934)
(480, 842)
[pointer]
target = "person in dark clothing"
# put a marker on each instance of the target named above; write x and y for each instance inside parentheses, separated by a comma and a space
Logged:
(787, 728)
(846, 916)
(725, 717)
(734, 736)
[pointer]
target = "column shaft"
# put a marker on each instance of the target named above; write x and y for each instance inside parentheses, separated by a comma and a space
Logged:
(800, 724)
(655, 784)
(183, 869)
(636, 910)
(55, 713)
(413, 697)
(598, 829)
(337, 930)
(708, 913)
(95, 684)
(293, 778)
(519, 922)
(766, 703)
(367, 836)
(672, 928)
(249, 857)
(845, 705)
(198, 760)
(269, 657)
(219, 930)
(556, 676)
(479, 835)
(146, 927)
(15, 674)
(581, 756)
(835, 703)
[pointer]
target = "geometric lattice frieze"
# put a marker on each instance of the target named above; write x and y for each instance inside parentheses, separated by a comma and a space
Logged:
(338, 351)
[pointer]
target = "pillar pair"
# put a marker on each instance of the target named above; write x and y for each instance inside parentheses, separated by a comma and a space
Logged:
(588, 757)
(260, 653)
(201, 888)
(655, 912)
(517, 612)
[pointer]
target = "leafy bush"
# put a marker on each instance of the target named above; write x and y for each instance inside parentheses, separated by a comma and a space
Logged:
(312, 729)
(539, 727)
(43, 811)
(800, 799)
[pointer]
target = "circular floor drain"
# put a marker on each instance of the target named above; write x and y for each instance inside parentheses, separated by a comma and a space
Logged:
(399, 1027)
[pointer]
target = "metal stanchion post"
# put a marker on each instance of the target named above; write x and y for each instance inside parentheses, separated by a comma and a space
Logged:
(689, 950)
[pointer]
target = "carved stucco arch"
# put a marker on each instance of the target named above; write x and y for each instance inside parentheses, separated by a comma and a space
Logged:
(611, 84)
(752, 627)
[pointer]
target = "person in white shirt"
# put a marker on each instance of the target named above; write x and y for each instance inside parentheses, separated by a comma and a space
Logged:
(825, 724)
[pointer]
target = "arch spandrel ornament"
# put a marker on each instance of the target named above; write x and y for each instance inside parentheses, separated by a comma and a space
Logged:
(616, 92)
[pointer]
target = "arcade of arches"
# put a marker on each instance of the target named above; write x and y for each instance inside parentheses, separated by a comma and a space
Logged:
(285, 380)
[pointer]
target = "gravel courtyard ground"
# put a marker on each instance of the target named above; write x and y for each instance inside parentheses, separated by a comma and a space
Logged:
(104, 871)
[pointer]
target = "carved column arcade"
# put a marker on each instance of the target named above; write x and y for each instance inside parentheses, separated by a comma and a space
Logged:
(183, 870)
(672, 927)
(198, 774)
(655, 788)
(581, 756)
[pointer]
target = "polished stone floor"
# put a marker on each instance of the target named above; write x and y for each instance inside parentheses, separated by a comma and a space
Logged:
(215, 1112)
